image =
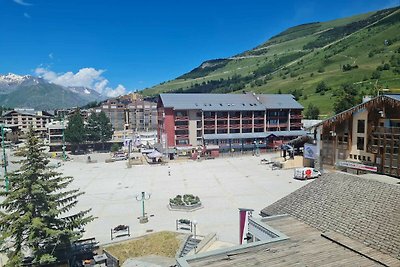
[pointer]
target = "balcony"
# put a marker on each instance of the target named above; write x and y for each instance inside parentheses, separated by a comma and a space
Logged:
(247, 125)
(182, 127)
(181, 118)
(209, 118)
(296, 116)
(212, 126)
(296, 124)
(222, 126)
(258, 125)
(182, 136)
(234, 126)
(275, 125)
(386, 130)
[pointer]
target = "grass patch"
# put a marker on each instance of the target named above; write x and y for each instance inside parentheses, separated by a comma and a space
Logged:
(162, 244)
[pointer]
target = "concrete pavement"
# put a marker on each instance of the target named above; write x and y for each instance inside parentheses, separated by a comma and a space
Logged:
(223, 185)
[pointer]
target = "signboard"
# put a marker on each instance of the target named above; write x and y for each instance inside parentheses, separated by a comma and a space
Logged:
(244, 215)
(358, 166)
(310, 151)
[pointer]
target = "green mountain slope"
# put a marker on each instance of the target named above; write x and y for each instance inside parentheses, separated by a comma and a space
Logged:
(363, 50)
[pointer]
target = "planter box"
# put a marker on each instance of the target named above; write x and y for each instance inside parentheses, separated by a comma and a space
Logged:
(185, 207)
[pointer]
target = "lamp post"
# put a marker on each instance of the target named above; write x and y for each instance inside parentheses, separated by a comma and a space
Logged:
(4, 157)
(64, 156)
(142, 197)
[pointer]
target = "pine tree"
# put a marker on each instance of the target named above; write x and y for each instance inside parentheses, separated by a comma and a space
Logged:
(92, 128)
(105, 127)
(35, 215)
(75, 131)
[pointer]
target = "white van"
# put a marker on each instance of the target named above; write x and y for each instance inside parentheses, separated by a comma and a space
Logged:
(306, 173)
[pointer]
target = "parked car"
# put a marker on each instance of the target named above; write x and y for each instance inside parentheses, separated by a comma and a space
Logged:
(119, 156)
(306, 173)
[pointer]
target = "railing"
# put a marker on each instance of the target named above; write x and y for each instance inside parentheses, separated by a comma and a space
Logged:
(209, 126)
(234, 126)
(209, 118)
(258, 125)
(181, 118)
(182, 127)
(295, 116)
(247, 125)
(185, 136)
(386, 130)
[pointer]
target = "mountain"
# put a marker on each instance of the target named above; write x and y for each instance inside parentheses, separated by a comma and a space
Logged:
(34, 92)
(363, 50)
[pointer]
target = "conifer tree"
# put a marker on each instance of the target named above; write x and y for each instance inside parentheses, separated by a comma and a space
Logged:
(36, 213)
(75, 131)
(105, 127)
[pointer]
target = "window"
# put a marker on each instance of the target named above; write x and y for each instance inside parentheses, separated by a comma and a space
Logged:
(360, 143)
(361, 126)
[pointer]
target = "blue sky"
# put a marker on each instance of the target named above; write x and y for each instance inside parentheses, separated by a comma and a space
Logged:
(119, 46)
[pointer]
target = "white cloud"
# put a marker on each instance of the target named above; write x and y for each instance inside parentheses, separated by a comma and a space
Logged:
(22, 3)
(26, 15)
(87, 77)
(51, 56)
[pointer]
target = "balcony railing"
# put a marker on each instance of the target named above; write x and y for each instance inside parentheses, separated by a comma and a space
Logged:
(386, 130)
(209, 126)
(234, 126)
(181, 118)
(181, 127)
(182, 136)
(296, 116)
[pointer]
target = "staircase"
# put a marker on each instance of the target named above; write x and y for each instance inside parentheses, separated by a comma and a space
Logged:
(190, 244)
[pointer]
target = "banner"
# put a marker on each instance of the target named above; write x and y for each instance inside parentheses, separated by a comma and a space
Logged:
(310, 151)
(244, 215)
(358, 166)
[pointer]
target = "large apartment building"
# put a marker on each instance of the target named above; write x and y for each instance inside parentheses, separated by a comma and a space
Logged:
(23, 118)
(363, 138)
(130, 116)
(229, 121)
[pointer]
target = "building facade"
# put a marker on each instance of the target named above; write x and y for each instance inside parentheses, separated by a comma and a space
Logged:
(130, 116)
(363, 138)
(23, 118)
(233, 122)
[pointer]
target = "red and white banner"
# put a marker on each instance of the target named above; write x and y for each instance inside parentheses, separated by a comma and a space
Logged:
(358, 166)
(244, 215)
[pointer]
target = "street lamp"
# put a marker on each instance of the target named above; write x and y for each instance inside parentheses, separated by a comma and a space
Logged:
(2, 127)
(144, 196)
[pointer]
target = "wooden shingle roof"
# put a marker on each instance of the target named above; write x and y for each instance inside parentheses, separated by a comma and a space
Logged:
(364, 210)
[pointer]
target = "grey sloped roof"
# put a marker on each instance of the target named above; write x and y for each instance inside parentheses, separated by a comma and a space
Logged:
(364, 210)
(277, 101)
(395, 97)
(228, 102)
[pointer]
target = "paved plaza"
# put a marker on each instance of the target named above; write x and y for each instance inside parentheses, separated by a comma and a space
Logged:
(223, 185)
